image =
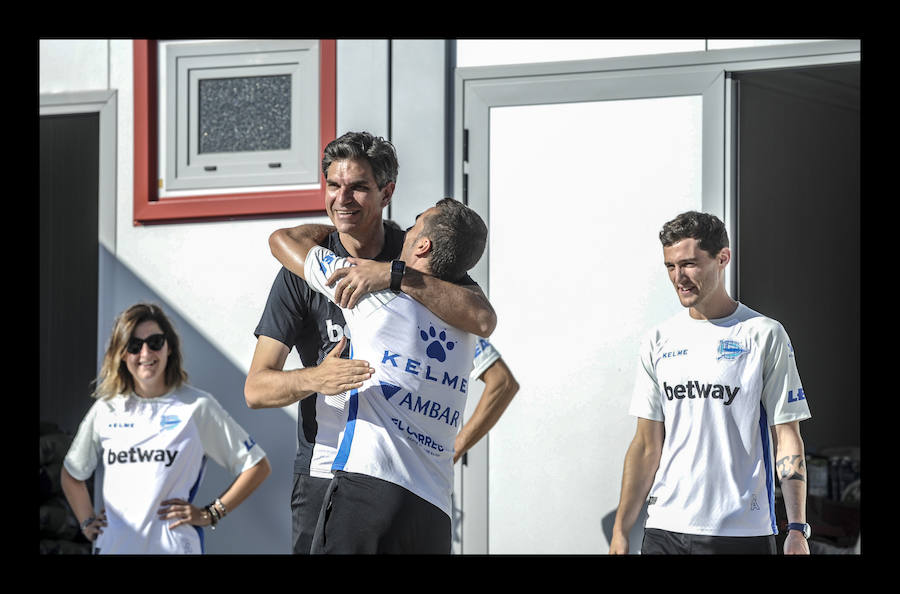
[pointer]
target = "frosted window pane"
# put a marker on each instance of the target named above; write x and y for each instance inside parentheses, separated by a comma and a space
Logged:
(578, 193)
(245, 114)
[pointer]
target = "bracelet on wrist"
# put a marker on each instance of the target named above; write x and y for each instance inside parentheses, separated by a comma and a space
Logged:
(88, 522)
(220, 507)
(213, 516)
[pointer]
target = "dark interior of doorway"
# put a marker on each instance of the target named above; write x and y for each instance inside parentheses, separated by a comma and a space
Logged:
(69, 186)
(799, 256)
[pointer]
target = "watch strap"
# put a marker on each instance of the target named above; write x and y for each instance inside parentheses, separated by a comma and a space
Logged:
(398, 267)
(799, 527)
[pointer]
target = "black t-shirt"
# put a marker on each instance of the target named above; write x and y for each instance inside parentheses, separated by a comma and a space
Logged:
(301, 318)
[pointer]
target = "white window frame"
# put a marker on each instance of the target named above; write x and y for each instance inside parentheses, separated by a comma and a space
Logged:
(184, 64)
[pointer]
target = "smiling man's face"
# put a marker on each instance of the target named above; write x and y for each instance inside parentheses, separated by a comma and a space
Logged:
(353, 200)
(695, 274)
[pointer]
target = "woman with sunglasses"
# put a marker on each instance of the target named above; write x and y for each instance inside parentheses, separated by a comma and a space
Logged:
(153, 432)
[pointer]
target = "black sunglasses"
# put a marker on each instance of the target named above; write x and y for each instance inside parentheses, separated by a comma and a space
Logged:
(154, 341)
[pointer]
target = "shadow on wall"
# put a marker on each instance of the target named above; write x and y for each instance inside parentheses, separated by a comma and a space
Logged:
(262, 524)
(635, 537)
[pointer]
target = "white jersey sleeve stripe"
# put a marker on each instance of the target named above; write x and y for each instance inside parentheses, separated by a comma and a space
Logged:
(320, 263)
(486, 354)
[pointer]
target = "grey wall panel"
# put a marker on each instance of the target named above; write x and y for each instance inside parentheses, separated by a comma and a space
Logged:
(363, 95)
(419, 125)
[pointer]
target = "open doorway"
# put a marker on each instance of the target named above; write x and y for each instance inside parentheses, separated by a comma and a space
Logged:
(69, 187)
(798, 258)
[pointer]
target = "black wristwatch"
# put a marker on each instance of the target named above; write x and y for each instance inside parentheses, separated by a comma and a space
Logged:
(398, 267)
(803, 529)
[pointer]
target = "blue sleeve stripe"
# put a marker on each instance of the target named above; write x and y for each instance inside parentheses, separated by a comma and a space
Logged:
(191, 495)
(344, 449)
(193, 491)
(766, 437)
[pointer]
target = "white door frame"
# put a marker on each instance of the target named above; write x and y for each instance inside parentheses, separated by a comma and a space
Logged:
(478, 89)
(103, 103)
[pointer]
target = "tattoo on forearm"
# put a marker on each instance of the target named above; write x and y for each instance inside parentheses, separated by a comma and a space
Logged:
(791, 468)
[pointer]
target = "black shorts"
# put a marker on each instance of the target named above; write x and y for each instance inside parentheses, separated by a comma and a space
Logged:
(663, 542)
(363, 514)
(306, 503)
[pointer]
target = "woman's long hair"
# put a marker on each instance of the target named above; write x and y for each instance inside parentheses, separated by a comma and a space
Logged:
(114, 376)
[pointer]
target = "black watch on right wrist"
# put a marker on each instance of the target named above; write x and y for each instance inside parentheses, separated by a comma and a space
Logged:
(398, 267)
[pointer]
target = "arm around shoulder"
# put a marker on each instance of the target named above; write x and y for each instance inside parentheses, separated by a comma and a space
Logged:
(464, 306)
(290, 246)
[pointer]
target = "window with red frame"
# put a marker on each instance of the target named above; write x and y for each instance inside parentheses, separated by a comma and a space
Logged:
(243, 134)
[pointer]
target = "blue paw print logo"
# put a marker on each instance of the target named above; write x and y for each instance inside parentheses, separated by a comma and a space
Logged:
(436, 350)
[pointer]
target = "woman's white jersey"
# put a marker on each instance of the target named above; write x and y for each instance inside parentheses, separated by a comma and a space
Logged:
(155, 449)
(402, 423)
(718, 386)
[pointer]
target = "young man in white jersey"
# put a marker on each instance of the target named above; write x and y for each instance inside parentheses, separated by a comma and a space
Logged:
(360, 172)
(394, 466)
(717, 392)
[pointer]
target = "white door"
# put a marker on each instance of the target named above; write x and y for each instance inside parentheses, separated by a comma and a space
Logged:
(575, 175)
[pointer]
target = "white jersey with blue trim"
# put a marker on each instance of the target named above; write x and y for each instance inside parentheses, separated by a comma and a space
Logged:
(155, 449)
(718, 386)
(402, 423)
(486, 354)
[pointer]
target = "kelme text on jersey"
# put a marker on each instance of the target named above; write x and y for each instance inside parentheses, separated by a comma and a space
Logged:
(694, 389)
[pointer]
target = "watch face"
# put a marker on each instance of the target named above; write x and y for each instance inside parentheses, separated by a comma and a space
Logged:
(398, 267)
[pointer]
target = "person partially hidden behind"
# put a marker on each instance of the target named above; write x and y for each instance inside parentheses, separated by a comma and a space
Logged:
(153, 433)
(717, 392)
(393, 472)
(360, 174)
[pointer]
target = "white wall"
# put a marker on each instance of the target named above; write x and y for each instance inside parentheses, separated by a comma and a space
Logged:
(73, 65)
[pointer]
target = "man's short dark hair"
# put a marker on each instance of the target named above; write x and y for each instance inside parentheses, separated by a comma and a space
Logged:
(707, 229)
(458, 237)
(377, 151)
